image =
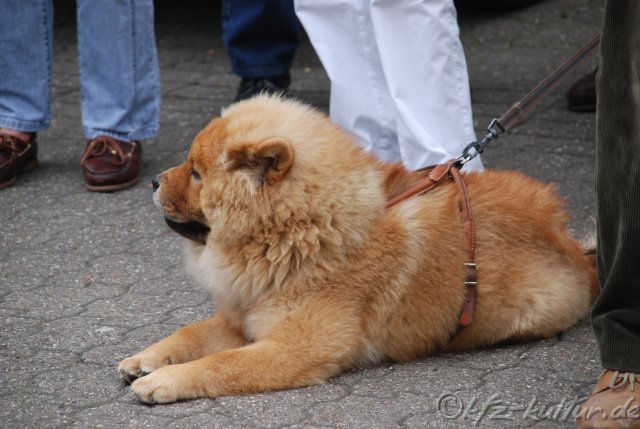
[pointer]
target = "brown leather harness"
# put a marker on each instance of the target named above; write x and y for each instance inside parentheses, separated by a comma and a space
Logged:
(435, 176)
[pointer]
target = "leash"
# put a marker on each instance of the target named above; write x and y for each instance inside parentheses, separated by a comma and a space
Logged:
(517, 112)
(437, 174)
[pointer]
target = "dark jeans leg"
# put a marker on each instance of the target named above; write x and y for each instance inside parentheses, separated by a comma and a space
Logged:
(616, 314)
(261, 36)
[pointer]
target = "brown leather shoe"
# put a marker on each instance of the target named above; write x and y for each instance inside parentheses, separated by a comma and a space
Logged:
(16, 156)
(582, 95)
(614, 403)
(111, 165)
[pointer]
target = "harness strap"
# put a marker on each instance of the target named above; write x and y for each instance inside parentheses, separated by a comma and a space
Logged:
(437, 175)
(469, 228)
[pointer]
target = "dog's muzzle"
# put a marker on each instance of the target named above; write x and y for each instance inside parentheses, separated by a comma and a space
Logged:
(193, 230)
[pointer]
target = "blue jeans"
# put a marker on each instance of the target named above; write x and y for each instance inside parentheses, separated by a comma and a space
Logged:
(261, 36)
(119, 76)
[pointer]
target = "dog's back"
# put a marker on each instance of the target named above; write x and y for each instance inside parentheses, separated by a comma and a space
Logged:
(534, 279)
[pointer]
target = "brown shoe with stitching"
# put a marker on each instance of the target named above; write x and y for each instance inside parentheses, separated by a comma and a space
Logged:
(111, 165)
(614, 403)
(16, 156)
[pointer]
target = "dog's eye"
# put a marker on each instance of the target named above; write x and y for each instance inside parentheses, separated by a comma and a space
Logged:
(195, 175)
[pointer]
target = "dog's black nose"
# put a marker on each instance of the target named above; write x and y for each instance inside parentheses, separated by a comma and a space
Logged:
(155, 182)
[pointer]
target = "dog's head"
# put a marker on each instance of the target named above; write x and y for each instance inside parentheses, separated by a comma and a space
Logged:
(276, 178)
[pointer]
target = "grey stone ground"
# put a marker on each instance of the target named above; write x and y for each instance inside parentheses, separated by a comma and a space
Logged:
(88, 279)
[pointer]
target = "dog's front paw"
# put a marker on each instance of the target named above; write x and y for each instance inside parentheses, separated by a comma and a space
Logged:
(158, 388)
(140, 365)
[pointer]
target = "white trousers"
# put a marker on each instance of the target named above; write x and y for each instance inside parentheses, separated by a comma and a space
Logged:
(398, 76)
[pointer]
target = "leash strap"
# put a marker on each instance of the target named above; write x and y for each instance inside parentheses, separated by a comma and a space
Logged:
(435, 176)
(519, 109)
(517, 112)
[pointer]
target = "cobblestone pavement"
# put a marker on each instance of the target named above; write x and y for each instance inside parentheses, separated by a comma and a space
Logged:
(87, 279)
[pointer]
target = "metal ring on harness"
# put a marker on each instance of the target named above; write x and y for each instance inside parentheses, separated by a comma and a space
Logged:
(495, 132)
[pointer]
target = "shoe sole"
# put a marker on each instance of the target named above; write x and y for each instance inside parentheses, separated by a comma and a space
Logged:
(113, 188)
(8, 183)
(29, 166)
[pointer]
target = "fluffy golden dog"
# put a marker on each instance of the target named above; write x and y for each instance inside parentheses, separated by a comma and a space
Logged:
(286, 225)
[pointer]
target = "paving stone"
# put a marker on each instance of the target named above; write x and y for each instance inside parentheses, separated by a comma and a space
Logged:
(118, 415)
(73, 334)
(31, 410)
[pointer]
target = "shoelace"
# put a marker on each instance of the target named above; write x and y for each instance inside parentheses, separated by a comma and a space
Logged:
(10, 144)
(100, 145)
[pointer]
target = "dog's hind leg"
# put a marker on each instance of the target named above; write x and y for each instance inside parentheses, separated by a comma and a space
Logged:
(186, 344)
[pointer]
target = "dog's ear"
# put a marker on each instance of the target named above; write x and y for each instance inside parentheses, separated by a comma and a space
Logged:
(266, 162)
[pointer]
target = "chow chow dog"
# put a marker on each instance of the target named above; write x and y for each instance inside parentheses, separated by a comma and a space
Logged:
(285, 223)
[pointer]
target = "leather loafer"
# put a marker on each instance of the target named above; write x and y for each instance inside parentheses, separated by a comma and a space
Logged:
(582, 95)
(16, 156)
(252, 86)
(614, 403)
(111, 165)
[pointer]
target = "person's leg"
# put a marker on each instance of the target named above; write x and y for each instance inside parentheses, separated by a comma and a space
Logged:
(426, 72)
(26, 37)
(261, 37)
(120, 86)
(341, 32)
(119, 74)
(616, 313)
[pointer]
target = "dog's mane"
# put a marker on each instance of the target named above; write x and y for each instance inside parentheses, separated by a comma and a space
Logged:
(306, 225)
